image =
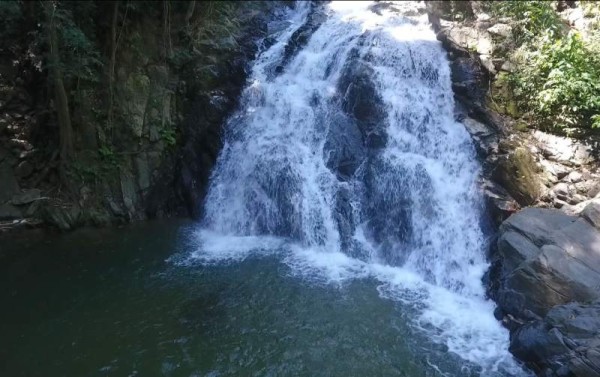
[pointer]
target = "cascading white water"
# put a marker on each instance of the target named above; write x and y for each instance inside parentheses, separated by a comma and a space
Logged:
(348, 160)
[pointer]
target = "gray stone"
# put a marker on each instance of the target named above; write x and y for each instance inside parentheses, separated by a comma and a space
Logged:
(545, 258)
(128, 191)
(9, 212)
(564, 343)
(483, 17)
(562, 191)
(591, 213)
(498, 201)
(8, 183)
(562, 149)
(485, 138)
(143, 171)
(115, 208)
(63, 217)
(134, 101)
(575, 177)
(518, 173)
(26, 197)
(486, 61)
(472, 39)
(508, 66)
(575, 199)
(502, 30)
(552, 168)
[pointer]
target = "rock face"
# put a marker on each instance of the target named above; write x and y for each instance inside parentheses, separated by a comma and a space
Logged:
(545, 258)
(154, 155)
(565, 343)
(545, 278)
(517, 171)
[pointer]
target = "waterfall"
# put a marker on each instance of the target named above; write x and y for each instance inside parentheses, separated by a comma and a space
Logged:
(345, 158)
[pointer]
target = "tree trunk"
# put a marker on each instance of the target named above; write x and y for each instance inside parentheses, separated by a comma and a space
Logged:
(190, 12)
(60, 96)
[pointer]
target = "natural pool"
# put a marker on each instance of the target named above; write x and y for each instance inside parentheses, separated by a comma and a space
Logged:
(99, 302)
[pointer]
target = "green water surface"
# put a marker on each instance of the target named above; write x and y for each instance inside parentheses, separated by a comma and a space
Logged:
(107, 302)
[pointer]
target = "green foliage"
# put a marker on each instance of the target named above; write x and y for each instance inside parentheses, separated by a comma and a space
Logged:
(86, 173)
(218, 24)
(559, 82)
(168, 135)
(108, 157)
(533, 18)
(80, 60)
(216, 29)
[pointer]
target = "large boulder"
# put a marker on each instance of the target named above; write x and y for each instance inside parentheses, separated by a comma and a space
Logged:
(518, 173)
(544, 258)
(565, 343)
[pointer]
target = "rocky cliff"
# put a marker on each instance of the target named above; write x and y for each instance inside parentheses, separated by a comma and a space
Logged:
(145, 140)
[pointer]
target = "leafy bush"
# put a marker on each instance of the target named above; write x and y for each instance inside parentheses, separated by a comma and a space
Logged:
(169, 136)
(533, 18)
(80, 58)
(559, 82)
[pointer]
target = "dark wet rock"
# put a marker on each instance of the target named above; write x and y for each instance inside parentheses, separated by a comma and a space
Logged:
(344, 151)
(499, 203)
(24, 169)
(484, 137)
(467, 78)
(517, 172)
(344, 217)
(363, 103)
(545, 258)
(301, 36)
(26, 197)
(390, 208)
(9, 212)
(566, 342)
(8, 183)
(64, 217)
